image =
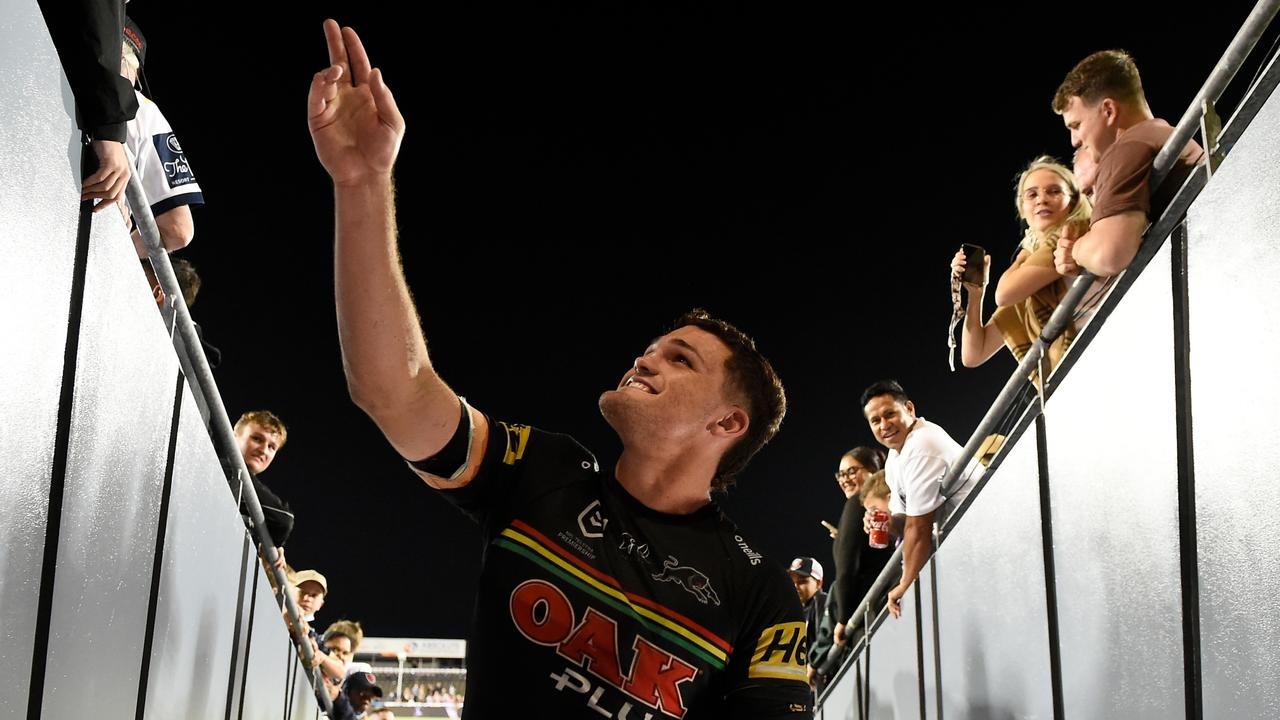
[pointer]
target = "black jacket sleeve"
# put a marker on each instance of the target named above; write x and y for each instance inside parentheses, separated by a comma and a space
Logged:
(88, 35)
(847, 552)
(276, 512)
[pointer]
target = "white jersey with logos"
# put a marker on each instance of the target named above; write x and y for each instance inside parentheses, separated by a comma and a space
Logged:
(915, 473)
(159, 161)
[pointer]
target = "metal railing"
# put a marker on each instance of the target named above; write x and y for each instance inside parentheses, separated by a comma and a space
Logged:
(1012, 400)
(195, 367)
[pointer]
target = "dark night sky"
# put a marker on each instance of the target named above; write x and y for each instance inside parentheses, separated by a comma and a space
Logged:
(573, 178)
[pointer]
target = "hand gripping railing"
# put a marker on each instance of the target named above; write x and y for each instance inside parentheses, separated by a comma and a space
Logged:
(1005, 404)
(195, 366)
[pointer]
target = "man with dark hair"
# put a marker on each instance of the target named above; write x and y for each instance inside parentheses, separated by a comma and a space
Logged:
(623, 594)
(920, 454)
(189, 283)
(1103, 106)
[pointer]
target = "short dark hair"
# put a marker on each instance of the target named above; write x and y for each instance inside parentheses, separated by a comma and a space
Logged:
(884, 387)
(752, 374)
(1107, 73)
(869, 458)
(188, 278)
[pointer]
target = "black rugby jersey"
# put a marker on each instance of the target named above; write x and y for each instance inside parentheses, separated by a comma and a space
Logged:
(592, 605)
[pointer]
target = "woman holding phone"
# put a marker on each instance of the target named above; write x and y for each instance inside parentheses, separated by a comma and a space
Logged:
(1049, 200)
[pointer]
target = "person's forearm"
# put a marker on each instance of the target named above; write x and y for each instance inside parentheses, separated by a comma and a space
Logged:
(1019, 283)
(896, 524)
(333, 667)
(383, 348)
(916, 548)
(973, 336)
(177, 227)
(1111, 243)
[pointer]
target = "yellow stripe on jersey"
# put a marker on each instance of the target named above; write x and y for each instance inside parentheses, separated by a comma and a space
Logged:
(520, 435)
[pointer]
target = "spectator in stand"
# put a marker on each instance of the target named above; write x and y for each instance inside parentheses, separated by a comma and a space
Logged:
(920, 457)
(806, 574)
(189, 282)
(261, 435)
(1102, 103)
(1085, 167)
(85, 34)
(875, 493)
(354, 696)
(340, 641)
(1050, 202)
(157, 157)
(312, 589)
(857, 564)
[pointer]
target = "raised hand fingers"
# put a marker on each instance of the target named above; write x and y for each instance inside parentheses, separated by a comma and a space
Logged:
(337, 49)
(324, 88)
(360, 66)
(385, 101)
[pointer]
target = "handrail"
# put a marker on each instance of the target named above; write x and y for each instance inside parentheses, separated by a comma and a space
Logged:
(1004, 405)
(1241, 45)
(195, 366)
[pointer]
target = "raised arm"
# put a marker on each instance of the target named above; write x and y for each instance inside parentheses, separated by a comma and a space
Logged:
(978, 342)
(357, 129)
(1021, 280)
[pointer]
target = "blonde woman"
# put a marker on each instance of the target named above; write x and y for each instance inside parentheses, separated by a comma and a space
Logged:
(1050, 201)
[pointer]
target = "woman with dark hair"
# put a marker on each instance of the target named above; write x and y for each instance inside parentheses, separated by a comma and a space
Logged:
(857, 563)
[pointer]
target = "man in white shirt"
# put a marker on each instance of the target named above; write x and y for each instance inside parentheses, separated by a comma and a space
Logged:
(920, 454)
(157, 157)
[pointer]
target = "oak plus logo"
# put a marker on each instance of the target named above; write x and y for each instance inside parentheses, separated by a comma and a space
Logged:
(653, 679)
(591, 521)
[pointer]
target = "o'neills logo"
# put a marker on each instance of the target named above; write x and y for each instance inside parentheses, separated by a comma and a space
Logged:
(654, 677)
(752, 555)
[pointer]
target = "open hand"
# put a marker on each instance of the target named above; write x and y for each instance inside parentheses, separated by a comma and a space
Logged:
(353, 118)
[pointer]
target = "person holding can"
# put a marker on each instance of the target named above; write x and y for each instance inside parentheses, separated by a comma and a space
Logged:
(920, 455)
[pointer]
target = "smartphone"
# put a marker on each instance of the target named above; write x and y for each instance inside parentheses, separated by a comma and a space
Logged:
(974, 264)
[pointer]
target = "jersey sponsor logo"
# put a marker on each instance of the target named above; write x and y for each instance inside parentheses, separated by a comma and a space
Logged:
(630, 546)
(605, 591)
(752, 555)
(591, 521)
(692, 580)
(177, 171)
(517, 440)
(654, 678)
(781, 653)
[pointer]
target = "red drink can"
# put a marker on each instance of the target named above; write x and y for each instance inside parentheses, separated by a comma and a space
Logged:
(879, 537)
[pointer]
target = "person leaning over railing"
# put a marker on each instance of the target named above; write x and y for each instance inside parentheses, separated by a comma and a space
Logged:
(1104, 108)
(158, 159)
(260, 435)
(342, 640)
(857, 564)
(1085, 167)
(1050, 201)
(86, 33)
(920, 456)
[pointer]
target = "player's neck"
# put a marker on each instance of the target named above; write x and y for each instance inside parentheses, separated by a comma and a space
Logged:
(679, 485)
